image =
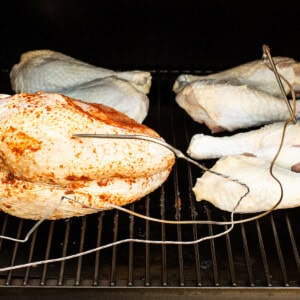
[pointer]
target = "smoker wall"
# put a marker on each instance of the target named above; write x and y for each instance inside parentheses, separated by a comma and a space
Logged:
(151, 34)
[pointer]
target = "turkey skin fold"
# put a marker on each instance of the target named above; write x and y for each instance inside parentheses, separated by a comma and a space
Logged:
(43, 167)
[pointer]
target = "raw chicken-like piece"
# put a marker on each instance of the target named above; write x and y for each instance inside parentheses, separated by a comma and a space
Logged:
(41, 161)
(229, 106)
(51, 71)
(263, 142)
(114, 92)
(255, 73)
(254, 172)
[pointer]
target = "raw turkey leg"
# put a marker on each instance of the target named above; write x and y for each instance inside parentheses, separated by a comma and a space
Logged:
(263, 142)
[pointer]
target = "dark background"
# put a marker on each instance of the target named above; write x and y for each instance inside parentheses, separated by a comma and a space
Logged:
(163, 34)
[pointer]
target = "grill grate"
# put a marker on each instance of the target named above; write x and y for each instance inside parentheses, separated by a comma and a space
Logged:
(263, 253)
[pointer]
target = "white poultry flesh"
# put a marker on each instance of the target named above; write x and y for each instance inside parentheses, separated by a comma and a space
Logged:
(255, 73)
(50, 71)
(253, 171)
(114, 92)
(263, 142)
(227, 106)
(243, 97)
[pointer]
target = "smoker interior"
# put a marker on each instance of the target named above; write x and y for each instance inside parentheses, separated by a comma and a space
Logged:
(256, 258)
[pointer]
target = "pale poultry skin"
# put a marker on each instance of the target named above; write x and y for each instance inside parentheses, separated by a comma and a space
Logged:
(227, 106)
(239, 98)
(255, 173)
(41, 161)
(255, 73)
(263, 142)
(114, 92)
(52, 71)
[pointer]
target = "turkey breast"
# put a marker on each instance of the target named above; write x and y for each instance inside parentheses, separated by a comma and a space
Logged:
(37, 148)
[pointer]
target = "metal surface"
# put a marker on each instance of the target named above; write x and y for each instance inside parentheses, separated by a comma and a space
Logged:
(256, 258)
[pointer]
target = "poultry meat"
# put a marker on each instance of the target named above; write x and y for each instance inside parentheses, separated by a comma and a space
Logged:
(41, 161)
(255, 73)
(225, 105)
(255, 173)
(50, 71)
(263, 142)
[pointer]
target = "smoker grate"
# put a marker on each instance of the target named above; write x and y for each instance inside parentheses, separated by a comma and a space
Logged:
(256, 255)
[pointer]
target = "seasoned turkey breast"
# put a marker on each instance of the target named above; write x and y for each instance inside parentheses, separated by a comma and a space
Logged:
(37, 148)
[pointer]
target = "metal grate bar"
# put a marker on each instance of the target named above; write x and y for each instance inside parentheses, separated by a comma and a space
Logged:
(293, 241)
(177, 205)
(64, 253)
(212, 249)
(32, 246)
(4, 225)
(179, 238)
(47, 254)
(98, 243)
(162, 195)
(263, 253)
(194, 215)
(14, 252)
(81, 247)
(147, 246)
(279, 252)
(114, 250)
(247, 255)
(196, 246)
(230, 256)
(163, 238)
(130, 254)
